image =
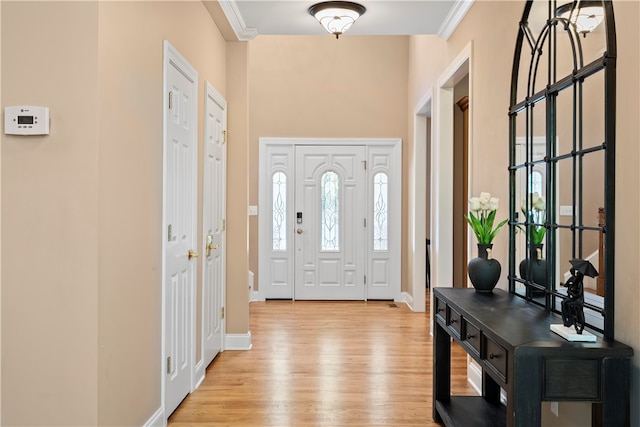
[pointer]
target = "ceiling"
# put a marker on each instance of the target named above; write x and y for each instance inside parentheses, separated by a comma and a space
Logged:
(250, 18)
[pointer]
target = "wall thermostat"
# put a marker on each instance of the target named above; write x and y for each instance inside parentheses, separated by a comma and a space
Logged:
(26, 120)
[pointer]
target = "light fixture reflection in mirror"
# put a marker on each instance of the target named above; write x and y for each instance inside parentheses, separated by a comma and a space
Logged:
(337, 16)
(586, 15)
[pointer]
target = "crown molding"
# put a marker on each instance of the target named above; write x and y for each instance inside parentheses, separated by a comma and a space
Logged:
(231, 11)
(454, 18)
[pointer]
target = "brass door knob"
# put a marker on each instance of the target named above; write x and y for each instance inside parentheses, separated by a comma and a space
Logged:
(192, 254)
(299, 231)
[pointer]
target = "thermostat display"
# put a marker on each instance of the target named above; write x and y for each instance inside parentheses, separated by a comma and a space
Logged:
(26, 120)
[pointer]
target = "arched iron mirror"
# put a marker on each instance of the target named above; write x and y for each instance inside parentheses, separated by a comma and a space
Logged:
(562, 154)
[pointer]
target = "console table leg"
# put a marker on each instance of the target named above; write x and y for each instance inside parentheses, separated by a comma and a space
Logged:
(616, 387)
(441, 368)
(527, 393)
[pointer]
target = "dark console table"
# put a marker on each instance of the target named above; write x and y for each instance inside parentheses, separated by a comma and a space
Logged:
(510, 339)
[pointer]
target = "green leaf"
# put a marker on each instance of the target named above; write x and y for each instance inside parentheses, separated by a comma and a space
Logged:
(482, 226)
(495, 231)
(490, 218)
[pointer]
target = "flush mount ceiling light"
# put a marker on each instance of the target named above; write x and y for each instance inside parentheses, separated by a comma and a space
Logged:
(337, 16)
(584, 14)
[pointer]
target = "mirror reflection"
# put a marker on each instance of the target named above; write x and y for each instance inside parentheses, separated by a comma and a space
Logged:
(558, 142)
(593, 111)
(520, 232)
(568, 248)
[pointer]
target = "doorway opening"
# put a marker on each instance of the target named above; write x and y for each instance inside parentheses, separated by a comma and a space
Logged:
(460, 181)
(420, 203)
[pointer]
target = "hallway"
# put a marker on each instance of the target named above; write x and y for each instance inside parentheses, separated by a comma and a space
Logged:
(324, 364)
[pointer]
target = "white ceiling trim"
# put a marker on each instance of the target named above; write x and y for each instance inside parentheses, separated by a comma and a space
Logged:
(236, 21)
(454, 18)
(238, 24)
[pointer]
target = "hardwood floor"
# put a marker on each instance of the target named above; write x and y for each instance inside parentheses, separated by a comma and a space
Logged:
(324, 364)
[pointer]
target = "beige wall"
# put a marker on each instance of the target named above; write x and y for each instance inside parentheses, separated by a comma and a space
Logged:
(84, 205)
(492, 59)
(49, 214)
(238, 189)
(317, 86)
(130, 189)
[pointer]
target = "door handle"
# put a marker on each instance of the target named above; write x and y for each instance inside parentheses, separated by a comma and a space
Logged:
(192, 254)
(299, 231)
(210, 245)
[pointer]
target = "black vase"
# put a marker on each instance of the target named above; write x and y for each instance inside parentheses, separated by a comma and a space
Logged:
(534, 267)
(484, 271)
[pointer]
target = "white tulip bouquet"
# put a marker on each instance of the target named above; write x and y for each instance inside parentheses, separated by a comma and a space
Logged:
(482, 215)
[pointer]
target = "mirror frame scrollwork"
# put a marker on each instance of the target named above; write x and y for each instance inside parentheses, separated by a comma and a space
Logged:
(519, 104)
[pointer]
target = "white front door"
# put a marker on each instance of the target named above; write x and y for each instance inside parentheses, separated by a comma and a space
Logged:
(213, 225)
(360, 241)
(179, 226)
(330, 248)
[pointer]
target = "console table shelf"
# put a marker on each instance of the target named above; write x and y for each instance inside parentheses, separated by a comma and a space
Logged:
(456, 412)
(510, 339)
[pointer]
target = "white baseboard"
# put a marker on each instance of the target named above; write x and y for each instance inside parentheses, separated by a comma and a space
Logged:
(255, 296)
(238, 341)
(408, 299)
(157, 420)
(474, 376)
(199, 375)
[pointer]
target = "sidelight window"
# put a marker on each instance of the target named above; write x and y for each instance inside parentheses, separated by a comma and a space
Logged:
(279, 212)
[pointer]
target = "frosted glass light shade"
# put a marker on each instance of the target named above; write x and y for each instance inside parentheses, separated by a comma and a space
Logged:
(585, 15)
(337, 16)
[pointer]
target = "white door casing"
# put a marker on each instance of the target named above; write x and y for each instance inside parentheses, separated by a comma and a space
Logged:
(277, 256)
(179, 226)
(329, 254)
(213, 225)
(442, 170)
